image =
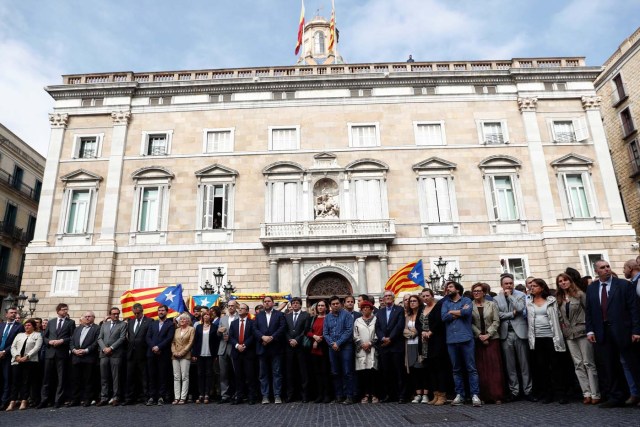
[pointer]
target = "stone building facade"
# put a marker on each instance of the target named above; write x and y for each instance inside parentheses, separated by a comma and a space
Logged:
(619, 88)
(21, 170)
(323, 179)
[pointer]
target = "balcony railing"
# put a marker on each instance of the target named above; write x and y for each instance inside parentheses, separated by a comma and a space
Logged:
(9, 282)
(328, 230)
(18, 185)
(11, 231)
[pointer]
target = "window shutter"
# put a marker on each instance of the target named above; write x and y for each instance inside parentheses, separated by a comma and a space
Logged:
(207, 207)
(586, 182)
(277, 198)
(444, 204)
(225, 205)
(291, 201)
(567, 195)
(494, 197)
(432, 200)
(580, 128)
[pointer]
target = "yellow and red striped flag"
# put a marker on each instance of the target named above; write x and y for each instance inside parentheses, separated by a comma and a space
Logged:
(332, 27)
(147, 297)
(300, 29)
(406, 279)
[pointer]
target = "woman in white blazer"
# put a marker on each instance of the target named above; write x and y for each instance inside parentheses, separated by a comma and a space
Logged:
(24, 365)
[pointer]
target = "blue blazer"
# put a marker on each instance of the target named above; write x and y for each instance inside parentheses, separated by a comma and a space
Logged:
(161, 338)
(213, 341)
(276, 329)
(393, 329)
(622, 312)
(15, 329)
(249, 337)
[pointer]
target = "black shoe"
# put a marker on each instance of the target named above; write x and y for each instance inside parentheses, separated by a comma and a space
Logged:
(530, 398)
(318, 399)
(224, 400)
(86, 404)
(58, 405)
(103, 402)
(42, 405)
(305, 400)
(385, 400)
(401, 401)
(236, 401)
(339, 399)
(612, 404)
(252, 402)
(326, 400)
(547, 400)
(563, 401)
(72, 404)
(347, 401)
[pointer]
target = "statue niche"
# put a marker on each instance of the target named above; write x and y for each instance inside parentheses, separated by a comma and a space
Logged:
(326, 196)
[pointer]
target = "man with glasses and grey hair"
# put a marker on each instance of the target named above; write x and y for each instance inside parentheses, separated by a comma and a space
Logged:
(389, 329)
(84, 354)
(227, 383)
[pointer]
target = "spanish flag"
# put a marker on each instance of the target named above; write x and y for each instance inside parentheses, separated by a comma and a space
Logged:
(300, 29)
(148, 298)
(332, 27)
(406, 279)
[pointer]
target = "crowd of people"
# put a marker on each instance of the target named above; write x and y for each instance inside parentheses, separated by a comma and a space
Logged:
(532, 343)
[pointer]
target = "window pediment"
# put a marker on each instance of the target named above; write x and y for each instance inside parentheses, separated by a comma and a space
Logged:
(155, 173)
(283, 167)
(216, 170)
(80, 176)
(434, 164)
(500, 161)
(367, 165)
(572, 160)
(325, 161)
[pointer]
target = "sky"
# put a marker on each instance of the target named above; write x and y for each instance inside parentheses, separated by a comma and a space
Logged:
(41, 40)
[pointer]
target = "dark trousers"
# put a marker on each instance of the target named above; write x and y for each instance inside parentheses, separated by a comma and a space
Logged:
(5, 373)
(611, 358)
(244, 366)
(159, 368)
(82, 378)
(297, 374)
(59, 366)
(392, 366)
(205, 374)
(321, 373)
(367, 381)
(24, 381)
(137, 379)
(547, 364)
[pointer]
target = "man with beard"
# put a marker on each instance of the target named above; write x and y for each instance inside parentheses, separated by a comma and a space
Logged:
(159, 337)
(137, 329)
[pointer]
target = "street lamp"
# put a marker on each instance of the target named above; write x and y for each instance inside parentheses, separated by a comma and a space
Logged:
(218, 275)
(455, 276)
(207, 288)
(33, 301)
(18, 302)
(228, 290)
(437, 278)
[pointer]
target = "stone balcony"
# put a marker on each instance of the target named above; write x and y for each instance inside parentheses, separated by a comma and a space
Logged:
(325, 231)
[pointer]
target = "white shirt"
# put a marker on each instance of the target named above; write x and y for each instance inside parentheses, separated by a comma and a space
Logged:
(268, 314)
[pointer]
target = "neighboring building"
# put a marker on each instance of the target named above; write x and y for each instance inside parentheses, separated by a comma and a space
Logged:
(21, 170)
(323, 179)
(619, 87)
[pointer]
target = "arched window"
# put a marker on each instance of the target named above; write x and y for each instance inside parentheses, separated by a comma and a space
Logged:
(318, 43)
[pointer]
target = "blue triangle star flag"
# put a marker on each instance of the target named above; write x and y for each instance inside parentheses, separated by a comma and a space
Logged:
(416, 275)
(205, 300)
(172, 298)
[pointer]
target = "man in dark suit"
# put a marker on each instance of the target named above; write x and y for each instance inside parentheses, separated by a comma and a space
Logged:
(632, 273)
(296, 356)
(137, 329)
(269, 333)
(84, 356)
(159, 337)
(9, 329)
(389, 328)
(613, 324)
(243, 355)
(57, 338)
(112, 342)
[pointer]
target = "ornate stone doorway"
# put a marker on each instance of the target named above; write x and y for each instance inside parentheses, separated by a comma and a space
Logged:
(325, 285)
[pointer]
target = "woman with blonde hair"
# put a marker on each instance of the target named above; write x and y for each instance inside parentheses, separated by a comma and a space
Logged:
(572, 302)
(183, 339)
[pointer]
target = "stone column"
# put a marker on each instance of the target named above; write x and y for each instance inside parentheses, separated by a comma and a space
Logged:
(114, 178)
(295, 285)
(538, 165)
(49, 180)
(273, 275)
(384, 271)
(362, 275)
(591, 105)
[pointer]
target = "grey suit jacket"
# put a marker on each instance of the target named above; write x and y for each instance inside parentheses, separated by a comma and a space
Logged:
(114, 338)
(224, 348)
(519, 321)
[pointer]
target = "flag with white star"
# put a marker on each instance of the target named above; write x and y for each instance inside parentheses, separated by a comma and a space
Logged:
(172, 298)
(409, 278)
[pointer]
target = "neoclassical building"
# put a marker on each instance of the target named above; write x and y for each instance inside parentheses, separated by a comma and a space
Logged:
(323, 179)
(619, 88)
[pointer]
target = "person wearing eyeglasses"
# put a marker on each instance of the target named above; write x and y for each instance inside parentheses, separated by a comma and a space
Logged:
(112, 344)
(243, 355)
(84, 355)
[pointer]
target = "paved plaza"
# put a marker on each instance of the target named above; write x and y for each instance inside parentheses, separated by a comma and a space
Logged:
(309, 414)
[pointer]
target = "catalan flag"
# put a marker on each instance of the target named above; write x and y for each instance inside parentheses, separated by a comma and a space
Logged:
(300, 29)
(203, 300)
(151, 299)
(332, 27)
(406, 279)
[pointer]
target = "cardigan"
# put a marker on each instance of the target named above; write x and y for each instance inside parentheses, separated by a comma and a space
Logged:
(183, 343)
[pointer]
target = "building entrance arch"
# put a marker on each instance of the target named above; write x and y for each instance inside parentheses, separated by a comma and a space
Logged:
(326, 284)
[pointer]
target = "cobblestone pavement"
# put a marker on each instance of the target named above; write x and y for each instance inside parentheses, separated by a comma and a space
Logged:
(326, 415)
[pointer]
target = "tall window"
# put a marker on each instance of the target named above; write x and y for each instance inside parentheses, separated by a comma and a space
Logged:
(493, 133)
(284, 138)
(517, 266)
(88, 147)
(149, 210)
(576, 194)
(619, 92)
(215, 205)
(368, 199)
(151, 205)
(634, 154)
(284, 202)
(573, 130)
(364, 135)
(318, 43)
(503, 198)
(218, 141)
(78, 213)
(144, 277)
(627, 122)
(156, 143)
(438, 198)
(429, 133)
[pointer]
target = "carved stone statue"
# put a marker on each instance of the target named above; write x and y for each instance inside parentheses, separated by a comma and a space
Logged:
(326, 204)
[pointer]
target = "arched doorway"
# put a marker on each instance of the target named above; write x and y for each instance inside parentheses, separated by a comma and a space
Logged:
(327, 284)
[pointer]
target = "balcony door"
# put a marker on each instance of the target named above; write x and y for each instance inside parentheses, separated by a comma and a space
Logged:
(325, 285)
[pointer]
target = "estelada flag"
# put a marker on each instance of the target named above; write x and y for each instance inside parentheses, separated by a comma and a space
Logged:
(147, 297)
(332, 27)
(300, 29)
(406, 279)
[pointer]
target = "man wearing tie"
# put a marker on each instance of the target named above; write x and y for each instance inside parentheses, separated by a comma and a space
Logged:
(613, 324)
(84, 354)
(243, 355)
(295, 354)
(112, 342)
(159, 337)
(389, 328)
(137, 355)
(9, 328)
(56, 337)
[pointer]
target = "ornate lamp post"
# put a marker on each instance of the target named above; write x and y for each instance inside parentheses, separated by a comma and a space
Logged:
(207, 288)
(19, 302)
(225, 291)
(437, 278)
(228, 291)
